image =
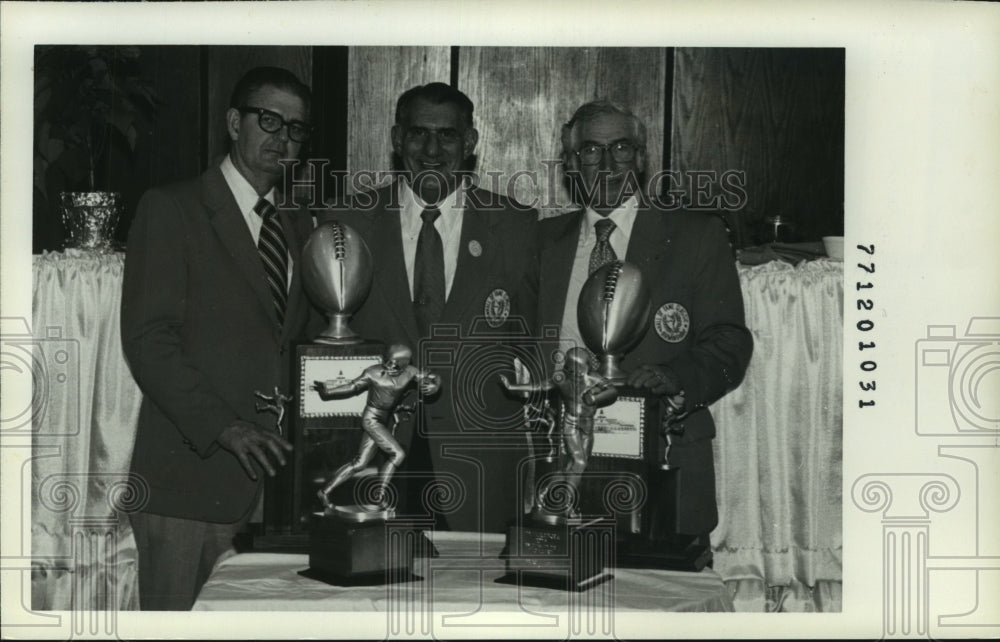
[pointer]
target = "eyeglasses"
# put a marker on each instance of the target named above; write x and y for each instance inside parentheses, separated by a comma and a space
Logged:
(272, 123)
(622, 151)
(445, 136)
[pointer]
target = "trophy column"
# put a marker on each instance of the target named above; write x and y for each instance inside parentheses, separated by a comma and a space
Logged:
(336, 275)
(350, 394)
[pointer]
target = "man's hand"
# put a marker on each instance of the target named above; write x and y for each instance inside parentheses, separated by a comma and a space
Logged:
(430, 384)
(251, 443)
(657, 379)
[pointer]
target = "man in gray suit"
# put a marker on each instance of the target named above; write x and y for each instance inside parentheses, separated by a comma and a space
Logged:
(211, 300)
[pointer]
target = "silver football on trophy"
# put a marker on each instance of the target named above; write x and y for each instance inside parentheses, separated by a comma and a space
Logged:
(613, 313)
(337, 274)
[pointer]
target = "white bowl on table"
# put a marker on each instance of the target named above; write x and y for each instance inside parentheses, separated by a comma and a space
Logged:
(834, 246)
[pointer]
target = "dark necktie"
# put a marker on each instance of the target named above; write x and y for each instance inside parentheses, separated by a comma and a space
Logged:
(273, 251)
(602, 252)
(428, 274)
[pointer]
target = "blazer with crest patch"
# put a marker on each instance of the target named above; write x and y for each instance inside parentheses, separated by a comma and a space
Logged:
(688, 266)
(470, 436)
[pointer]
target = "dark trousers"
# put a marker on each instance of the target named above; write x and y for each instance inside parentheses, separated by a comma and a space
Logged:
(176, 557)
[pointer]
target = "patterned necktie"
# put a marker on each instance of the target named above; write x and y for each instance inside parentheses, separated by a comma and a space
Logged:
(428, 274)
(273, 251)
(602, 252)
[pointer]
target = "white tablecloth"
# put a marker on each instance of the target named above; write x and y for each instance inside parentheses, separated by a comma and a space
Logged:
(778, 544)
(85, 409)
(461, 580)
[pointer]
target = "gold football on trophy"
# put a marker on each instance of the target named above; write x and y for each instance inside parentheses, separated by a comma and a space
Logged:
(337, 274)
(613, 314)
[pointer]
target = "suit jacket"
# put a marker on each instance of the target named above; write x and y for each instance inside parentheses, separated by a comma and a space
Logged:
(472, 430)
(685, 261)
(200, 335)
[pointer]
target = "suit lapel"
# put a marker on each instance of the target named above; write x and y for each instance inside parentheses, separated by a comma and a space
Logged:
(650, 237)
(477, 230)
(385, 241)
(556, 267)
(296, 232)
(232, 231)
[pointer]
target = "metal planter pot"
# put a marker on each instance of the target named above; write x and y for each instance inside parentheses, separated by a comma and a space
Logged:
(90, 219)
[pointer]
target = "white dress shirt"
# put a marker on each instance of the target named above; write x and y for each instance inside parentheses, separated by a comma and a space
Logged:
(624, 219)
(246, 198)
(448, 225)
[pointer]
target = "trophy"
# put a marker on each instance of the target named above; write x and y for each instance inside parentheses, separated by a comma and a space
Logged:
(342, 509)
(629, 477)
(613, 314)
(275, 404)
(581, 391)
(555, 545)
(337, 274)
(358, 540)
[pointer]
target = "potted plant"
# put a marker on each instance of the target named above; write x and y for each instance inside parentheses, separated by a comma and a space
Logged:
(87, 99)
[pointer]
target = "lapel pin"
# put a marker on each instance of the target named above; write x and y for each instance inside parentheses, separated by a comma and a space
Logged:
(475, 249)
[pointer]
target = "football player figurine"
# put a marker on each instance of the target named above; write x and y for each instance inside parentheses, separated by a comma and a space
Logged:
(582, 391)
(386, 383)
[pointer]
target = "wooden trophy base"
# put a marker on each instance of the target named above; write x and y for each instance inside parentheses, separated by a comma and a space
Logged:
(570, 556)
(657, 545)
(347, 552)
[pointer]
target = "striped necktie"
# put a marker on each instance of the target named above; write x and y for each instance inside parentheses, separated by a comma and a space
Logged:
(273, 251)
(602, 252)
(428, 274)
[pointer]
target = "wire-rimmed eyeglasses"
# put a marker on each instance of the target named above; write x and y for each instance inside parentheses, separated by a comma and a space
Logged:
(622, 151)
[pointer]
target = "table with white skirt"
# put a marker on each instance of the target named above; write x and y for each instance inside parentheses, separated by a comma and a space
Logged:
(778, 448)
(461, 580)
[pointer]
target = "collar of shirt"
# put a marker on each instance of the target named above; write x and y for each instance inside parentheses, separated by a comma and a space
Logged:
(246, 196)
(448, 225)
(452, 207)
(623, 217)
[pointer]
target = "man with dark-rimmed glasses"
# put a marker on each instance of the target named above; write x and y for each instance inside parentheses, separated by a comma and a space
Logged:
(210, 303)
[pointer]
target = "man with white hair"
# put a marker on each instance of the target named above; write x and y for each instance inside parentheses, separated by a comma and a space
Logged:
(697, 347)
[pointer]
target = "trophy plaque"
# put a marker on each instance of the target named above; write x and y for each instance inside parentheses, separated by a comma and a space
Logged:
(572, 555)
(628, 478)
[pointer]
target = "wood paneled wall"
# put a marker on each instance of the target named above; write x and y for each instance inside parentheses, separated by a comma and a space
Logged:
(376, 78)
(777, 115)
(524, 95)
